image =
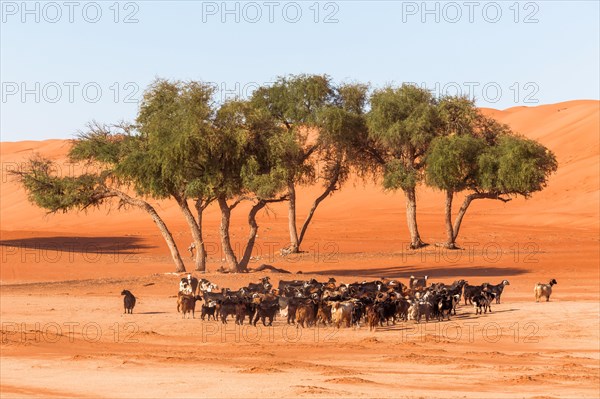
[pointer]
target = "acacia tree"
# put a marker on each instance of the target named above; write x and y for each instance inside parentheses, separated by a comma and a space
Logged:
(452, 167)
(484, 158)
(452, 157)
(163, 155)
(295, 102)
(325, 132)
(342, 131)
(174, 125)
(102, 147)
(243, 165)
(402, 123)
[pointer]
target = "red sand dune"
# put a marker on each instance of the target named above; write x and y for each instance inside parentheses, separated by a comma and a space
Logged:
(80, 262)
(571, 199)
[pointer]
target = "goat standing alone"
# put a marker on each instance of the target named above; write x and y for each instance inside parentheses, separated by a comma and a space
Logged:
(128, 301)
(540, 290)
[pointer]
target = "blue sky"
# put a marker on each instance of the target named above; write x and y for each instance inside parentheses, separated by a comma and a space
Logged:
(64, 64)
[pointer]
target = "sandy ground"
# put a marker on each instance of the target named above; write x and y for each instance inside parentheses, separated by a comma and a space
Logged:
(68, 339)
(64, 334)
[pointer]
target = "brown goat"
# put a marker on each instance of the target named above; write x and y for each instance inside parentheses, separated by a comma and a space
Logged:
(372, 318)
(188, 305)
(305, 314)
(324, 314)
(180, 299)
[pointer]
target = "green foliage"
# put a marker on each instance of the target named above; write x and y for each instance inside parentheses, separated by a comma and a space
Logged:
(490, 129)
(396, 175)
(458, 115)
(248, 152)
(294, 103)
(183, 146)
(452, 161)
(404, 120)
(165, 150)
(292, 157)
(100, 143)
(515, 165)
(352, 97)
(478, 153)
(343, 122)
(343, 134)
(174, 126)
(60, 194)
(402, 123)
(324, 126)
(295, 99)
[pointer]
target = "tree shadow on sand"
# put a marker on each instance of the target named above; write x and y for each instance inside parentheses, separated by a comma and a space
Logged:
(95, 245)
(433, 272)
(151, 312)
(465, 313)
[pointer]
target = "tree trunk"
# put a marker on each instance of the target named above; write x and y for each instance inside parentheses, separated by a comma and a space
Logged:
(243, 265)
(460, 215)
(294, 242)
(411, 218)
(468, 199)
(201, 264)
(330, 188)
(168, 237)
(195, 229)
(450, 243)
(230, 257)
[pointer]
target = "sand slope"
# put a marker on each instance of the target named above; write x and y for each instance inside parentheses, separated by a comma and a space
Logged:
(66, 271)
(569, 129)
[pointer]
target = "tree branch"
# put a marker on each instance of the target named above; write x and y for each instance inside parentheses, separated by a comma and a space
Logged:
(237, 202)
(330, 188)
(492, 195)
(309, 152)
(375, 155)
(282, 198)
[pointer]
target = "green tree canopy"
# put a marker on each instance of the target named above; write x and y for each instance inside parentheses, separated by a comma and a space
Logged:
(102, 147)
(246, 162)
(402, 123)
(295, 102)
(483, 157)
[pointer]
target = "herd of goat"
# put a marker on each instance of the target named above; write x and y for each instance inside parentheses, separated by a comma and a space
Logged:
(308, 303)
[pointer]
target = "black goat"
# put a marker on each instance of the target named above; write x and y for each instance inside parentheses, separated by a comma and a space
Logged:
(266, 310)
(496, 289)
(128, 301)
(471, 291)
(483, 302)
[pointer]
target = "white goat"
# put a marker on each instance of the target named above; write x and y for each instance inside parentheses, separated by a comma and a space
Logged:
(543, 290)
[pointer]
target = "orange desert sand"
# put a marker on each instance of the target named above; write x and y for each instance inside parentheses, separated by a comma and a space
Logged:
(64, 334)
